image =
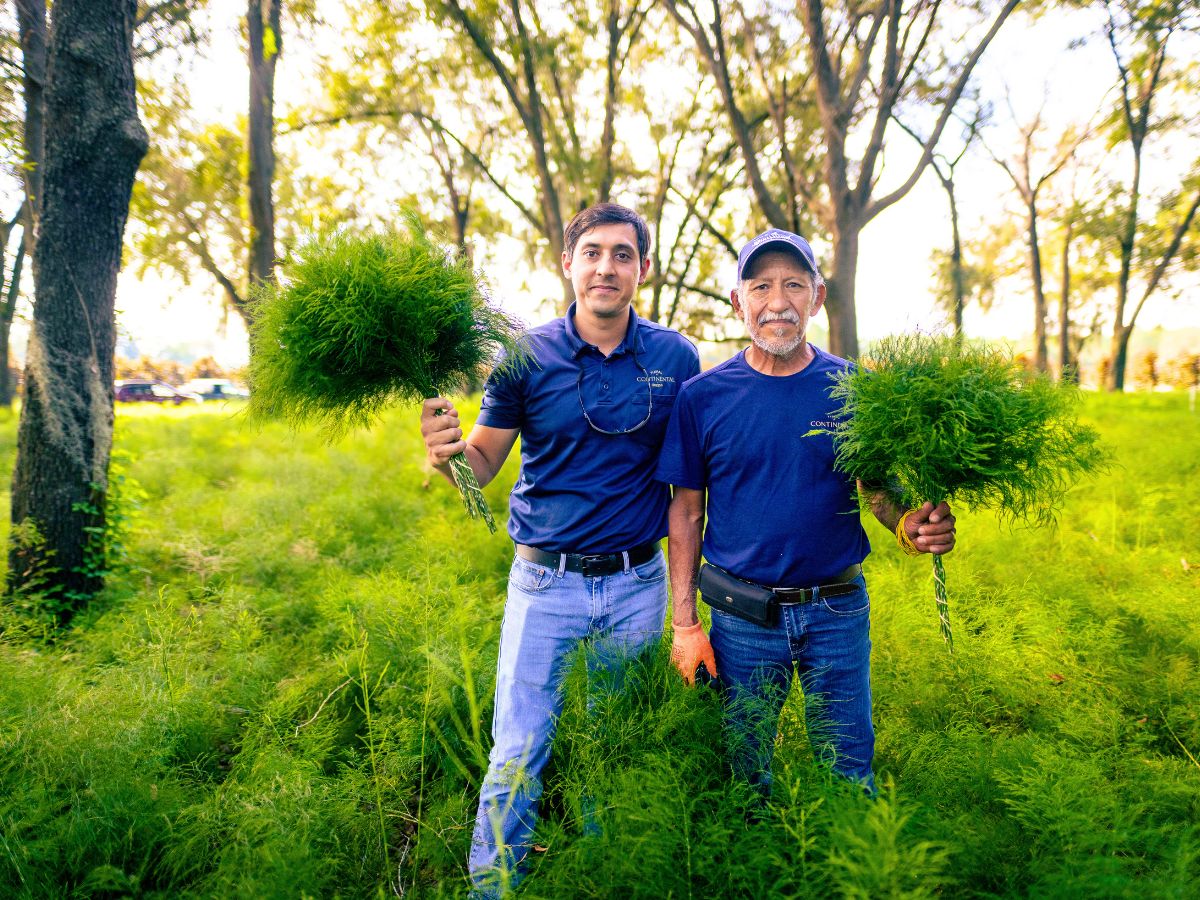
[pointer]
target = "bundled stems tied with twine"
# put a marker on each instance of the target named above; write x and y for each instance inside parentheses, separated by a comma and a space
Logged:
(943, 602)
(468, 487)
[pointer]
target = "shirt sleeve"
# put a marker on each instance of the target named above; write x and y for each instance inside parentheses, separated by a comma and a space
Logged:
(681, 461)
(503, 404)
(693, 362)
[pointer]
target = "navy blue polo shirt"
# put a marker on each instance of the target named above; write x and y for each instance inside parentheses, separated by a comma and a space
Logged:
(778, 512)
(581, 490)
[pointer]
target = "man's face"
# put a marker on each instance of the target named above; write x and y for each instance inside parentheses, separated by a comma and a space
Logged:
(776, 298)
(605, 269)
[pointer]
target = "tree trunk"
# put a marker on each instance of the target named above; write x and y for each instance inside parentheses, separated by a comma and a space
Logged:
(1119, 358)
(263, 27)
(94, 144)
(1120, 339)
(839, 301)
(31, 22)
(956, 263)
(1066, 366)
(6, 319)
(1040, 363)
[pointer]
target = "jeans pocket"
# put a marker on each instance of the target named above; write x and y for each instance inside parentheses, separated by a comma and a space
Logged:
(529, 577)
(650, 572)
(855, 604)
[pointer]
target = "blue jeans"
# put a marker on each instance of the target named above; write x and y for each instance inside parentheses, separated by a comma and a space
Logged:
(828, 642)
(548, 615)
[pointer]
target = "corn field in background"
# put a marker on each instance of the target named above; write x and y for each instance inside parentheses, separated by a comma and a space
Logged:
(287, 693)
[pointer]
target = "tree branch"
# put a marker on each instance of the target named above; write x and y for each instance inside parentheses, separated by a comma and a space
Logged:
(949, 103)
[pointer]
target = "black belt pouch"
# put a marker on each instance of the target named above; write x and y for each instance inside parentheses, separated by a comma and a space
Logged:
(744, 599)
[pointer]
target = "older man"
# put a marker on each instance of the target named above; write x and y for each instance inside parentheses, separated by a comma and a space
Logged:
(586, 513)
(783, 543)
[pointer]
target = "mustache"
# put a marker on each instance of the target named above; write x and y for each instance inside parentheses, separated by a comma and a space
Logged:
(790, 316)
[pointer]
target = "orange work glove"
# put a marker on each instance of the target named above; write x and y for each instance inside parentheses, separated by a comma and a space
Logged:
(690, 648)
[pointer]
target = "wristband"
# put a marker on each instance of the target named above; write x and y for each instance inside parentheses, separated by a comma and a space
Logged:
(902, 538)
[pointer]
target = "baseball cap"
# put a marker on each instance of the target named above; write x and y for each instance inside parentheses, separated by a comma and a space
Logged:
(775, 239)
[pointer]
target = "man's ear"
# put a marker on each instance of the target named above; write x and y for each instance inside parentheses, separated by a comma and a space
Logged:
(736, 299)
(818, 299)
(645, 271)
(566, 264)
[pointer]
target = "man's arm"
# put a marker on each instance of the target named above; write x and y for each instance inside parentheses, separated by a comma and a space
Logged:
(685, 523)
(486, 448)
(930, 528)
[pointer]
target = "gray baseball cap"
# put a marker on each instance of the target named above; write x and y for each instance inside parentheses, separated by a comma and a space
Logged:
(776, 239)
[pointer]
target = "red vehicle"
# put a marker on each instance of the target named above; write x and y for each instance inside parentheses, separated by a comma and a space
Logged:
(133, 391)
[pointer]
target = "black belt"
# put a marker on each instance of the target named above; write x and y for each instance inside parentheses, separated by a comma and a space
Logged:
(839, 587)
(590, 565)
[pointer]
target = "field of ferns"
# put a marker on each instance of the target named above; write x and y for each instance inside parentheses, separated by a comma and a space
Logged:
(285, 692)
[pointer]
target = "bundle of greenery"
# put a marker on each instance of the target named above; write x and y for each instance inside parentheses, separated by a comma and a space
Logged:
(935, 418)
(359, 321)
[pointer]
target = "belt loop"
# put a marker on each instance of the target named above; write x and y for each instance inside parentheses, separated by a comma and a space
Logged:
(562, 564)
(625, 559)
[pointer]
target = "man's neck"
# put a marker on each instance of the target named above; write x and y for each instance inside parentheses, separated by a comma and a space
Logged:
(770, 364)
(605, 333)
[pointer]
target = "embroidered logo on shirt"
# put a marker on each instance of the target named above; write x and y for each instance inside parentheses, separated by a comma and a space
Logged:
(657, 379)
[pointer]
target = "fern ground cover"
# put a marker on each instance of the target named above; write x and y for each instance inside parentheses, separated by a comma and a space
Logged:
(287, 694)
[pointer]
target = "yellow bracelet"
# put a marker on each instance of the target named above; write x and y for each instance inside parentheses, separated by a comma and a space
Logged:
(902, 538)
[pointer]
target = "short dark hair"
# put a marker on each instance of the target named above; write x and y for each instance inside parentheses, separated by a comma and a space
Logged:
(606, 214)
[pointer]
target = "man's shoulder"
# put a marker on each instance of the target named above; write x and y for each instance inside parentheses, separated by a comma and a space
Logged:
(825, 359)
(556, 327)
(666, 336)
(710, 379)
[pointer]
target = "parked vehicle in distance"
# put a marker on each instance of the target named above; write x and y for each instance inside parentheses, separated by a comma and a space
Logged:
(139, 391)
(215, 389)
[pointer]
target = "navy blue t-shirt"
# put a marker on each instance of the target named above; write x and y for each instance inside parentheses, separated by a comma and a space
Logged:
(580, 490)
(778, 513)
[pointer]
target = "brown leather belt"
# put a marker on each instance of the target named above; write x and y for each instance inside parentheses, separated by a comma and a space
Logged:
(838, 587)
(590, 565)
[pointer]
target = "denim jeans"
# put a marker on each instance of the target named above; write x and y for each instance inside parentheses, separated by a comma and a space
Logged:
(828, 642)
(548, 615)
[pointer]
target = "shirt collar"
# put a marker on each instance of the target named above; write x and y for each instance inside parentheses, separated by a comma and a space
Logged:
(633, 335)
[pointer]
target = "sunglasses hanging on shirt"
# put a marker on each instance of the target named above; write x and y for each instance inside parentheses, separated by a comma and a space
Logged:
(644, 379)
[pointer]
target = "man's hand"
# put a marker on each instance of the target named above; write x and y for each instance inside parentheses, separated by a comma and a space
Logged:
(690, 648)
(442, 434)
(930, 528)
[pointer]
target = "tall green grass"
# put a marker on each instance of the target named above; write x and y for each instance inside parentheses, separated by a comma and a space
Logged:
(289, 694)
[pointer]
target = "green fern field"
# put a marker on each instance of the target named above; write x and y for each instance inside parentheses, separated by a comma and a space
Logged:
(286, 692)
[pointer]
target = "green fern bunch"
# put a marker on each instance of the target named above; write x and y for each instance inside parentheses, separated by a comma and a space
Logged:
(360, 321)
(935, 418)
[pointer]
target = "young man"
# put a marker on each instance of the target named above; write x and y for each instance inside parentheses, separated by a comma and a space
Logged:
(780, 518)
(586, 513)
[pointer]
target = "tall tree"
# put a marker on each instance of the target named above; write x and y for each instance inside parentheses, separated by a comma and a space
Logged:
(953, 272)
(94, 142)
(189, 209)
(866, 63)
(10, 295)
(1031, 170)
(1139, 34)
(263, 27)
(539, 69)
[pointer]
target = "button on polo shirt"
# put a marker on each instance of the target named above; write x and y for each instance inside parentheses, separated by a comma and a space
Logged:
(579, 490)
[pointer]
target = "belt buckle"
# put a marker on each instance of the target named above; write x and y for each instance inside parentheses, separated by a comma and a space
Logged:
(586, 564)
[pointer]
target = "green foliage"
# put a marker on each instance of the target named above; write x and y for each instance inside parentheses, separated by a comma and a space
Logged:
(362, 321)
(933, 418)
(205, 732)
(106, 553)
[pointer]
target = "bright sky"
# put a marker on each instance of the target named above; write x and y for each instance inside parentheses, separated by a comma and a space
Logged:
(161, 315)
